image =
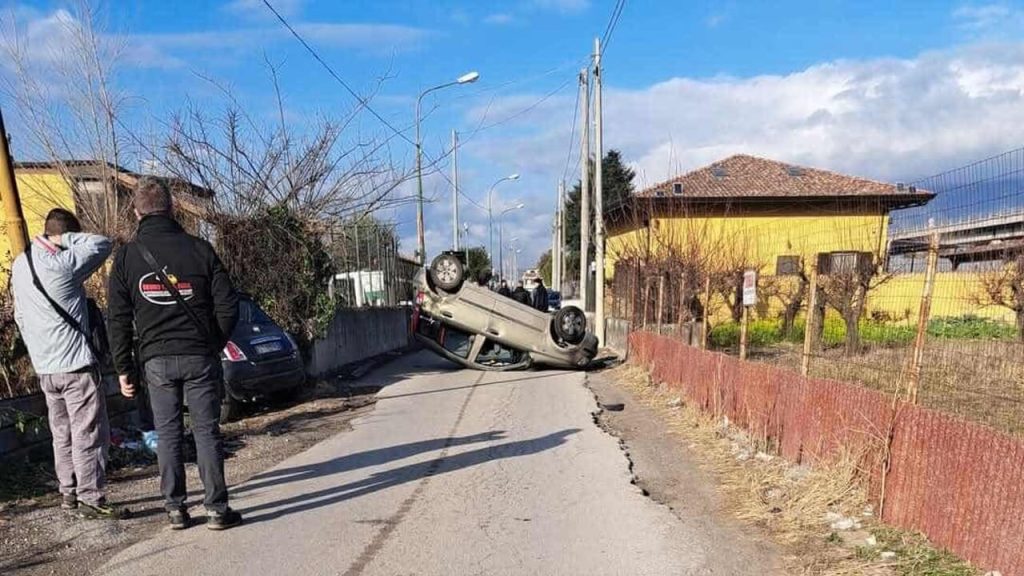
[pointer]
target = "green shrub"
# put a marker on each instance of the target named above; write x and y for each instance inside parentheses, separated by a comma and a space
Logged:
(760, 333)
(970, 327)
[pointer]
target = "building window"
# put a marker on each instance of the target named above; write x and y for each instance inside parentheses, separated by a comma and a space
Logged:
(845, 263)
(787, 266)
(677, 188)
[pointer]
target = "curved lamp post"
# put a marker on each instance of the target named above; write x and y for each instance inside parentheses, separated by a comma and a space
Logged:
(420, 243)
(501, 231)
(490, 216)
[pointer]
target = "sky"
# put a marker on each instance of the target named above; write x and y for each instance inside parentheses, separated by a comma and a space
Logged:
(888, 90)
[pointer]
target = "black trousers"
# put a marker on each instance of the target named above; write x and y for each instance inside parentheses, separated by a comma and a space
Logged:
(171, 379)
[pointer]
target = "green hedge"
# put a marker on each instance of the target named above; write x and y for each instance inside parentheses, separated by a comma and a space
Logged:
(766, 332)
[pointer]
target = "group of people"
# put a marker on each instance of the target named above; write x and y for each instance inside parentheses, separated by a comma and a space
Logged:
(171, 308)
(538, 299)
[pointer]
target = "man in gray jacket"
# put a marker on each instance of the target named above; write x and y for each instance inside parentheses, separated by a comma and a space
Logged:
(69, 373)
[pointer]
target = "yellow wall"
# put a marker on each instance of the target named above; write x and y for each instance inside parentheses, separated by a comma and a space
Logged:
(951, 296)
(40, 192)
(756, 240)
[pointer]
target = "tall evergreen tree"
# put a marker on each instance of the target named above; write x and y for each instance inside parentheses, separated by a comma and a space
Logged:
(618, 187)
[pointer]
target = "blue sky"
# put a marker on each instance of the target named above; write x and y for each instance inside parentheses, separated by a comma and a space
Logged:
(889, 90)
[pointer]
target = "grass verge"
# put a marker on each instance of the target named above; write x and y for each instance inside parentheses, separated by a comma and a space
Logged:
(819, 516)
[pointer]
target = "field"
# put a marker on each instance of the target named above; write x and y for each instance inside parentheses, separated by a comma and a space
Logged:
(971, 367)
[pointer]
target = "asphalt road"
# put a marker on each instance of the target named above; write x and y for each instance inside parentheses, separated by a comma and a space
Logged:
(455, 472)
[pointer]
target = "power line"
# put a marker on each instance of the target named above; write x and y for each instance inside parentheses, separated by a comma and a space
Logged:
(572, 135)
(363, 102)
(612, 23)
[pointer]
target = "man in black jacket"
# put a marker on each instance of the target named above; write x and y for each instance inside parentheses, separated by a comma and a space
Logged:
(503, 290)
(521, 295)
(540, 296)
(180, 334)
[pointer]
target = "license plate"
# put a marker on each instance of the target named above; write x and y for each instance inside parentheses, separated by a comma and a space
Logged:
(269, 347)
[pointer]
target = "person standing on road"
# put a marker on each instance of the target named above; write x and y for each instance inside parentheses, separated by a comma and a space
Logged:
(177, 292)
(52, 312)
(504, 291)
(540, 296)
(521, 295)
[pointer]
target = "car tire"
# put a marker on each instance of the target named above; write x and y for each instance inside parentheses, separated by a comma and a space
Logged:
(447, 272)
(570, 325)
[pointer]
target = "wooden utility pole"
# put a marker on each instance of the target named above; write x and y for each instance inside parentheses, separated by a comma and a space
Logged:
(707, 312)
(599, 200)
(810, 326)
(584, 187)
(661, 301)
(17, 234)
(923, 316)
(743, 332)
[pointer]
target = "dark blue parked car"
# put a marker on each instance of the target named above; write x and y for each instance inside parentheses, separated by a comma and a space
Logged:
(554, 300)
(261, 361)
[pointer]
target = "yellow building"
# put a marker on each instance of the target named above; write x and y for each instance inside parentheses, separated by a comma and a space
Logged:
(98, 192)
(752, 212)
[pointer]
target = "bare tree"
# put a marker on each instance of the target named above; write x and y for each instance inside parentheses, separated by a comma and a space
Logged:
(65, 95)
(1003, 286)
(790, 292)
(845, 287)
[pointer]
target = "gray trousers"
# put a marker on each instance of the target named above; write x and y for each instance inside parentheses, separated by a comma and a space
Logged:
(77, 407)
(171, 380)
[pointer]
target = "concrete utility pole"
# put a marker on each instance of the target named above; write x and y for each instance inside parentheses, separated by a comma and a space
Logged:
(598, 200)
(17, 234)
(561, 234)
(455, 191)
(584, 187)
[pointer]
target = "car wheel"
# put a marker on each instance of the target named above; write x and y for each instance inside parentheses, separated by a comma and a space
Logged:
(447, 272)
(570, 325)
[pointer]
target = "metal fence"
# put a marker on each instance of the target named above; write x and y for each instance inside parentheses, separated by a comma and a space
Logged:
(925, 302)
(369, 270)
(958, 482)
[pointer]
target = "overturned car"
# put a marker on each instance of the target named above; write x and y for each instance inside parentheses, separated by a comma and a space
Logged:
(480, 329)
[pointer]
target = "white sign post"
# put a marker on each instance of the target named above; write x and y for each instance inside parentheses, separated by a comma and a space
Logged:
(749, 299)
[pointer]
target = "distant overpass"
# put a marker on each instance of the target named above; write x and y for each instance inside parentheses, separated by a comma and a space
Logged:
(978, 240)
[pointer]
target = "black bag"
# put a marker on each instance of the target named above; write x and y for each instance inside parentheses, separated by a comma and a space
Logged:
(96, 336)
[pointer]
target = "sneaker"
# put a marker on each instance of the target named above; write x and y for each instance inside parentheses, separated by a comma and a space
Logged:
(68, 502)
(179, 519)
(224, 520)
(101, 511)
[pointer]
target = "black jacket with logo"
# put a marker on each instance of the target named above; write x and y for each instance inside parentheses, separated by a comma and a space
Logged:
(135, 294)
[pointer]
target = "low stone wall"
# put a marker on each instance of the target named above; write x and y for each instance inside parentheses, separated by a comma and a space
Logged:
(357, 334)
(616, 336)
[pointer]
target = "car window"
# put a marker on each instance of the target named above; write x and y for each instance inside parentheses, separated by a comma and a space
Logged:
(495, 354)
(456, 341)
(250, 313)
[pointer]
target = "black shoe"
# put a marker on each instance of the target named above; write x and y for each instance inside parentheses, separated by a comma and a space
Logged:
(101, 511)
(179, 519)
(68, 502)
(224, 520)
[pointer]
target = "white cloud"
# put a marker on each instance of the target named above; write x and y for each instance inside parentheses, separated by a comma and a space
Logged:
(499, 19)
(257, 10)
(890, 119)
(566, 6)
(996, 20)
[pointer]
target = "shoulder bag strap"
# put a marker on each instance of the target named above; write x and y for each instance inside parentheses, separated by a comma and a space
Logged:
(64, 314)
(158, 271)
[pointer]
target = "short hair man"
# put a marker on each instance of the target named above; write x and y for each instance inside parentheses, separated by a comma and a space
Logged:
(177, 353)
(69, 373)
(540, 296)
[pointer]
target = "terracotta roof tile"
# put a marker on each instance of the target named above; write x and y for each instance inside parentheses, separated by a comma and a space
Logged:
(743, 176)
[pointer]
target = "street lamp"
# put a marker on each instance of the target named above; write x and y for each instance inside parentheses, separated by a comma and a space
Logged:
(501, 231)
(490, 217)
(420, 242)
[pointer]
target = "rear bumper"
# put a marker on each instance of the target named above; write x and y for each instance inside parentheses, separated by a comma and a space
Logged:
(251, 381)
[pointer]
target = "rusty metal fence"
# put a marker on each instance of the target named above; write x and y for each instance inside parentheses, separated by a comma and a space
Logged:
(959, 483)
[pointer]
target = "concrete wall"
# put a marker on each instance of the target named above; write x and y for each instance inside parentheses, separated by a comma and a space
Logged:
(358, 334)
(616, 336)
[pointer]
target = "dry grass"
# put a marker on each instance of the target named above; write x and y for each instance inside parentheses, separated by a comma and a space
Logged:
(981, 381)
(794, 505)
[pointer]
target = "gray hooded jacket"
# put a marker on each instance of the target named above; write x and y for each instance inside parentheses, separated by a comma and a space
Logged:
(55, 347)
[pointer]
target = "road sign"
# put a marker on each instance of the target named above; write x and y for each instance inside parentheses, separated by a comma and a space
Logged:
(750, 288)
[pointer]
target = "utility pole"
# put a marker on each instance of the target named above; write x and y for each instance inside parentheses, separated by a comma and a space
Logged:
(599, 199)
(561, 233)
(553, 259)
(17, 234)
(455, 191)
(585, 187)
